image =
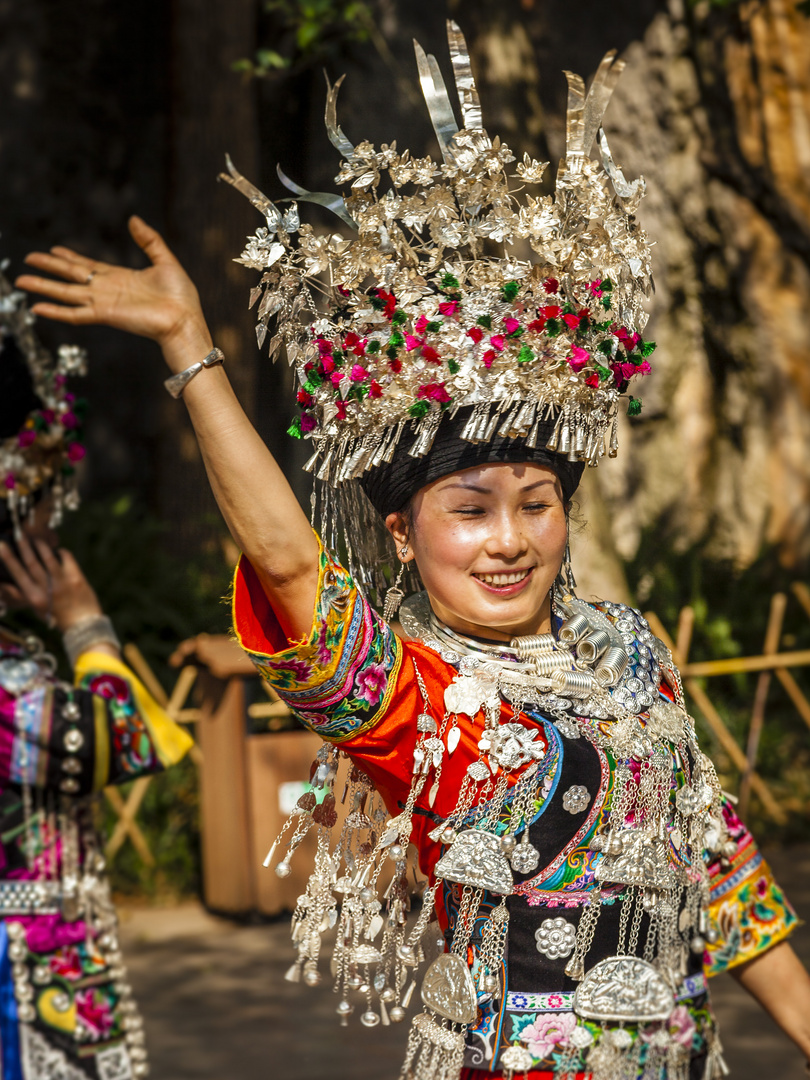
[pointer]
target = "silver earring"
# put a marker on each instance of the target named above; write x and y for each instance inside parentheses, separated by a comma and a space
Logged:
(395, 595)
(565, 578)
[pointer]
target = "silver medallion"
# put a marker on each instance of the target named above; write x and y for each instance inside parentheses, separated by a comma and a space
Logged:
(511, 745)
(623, 988)
(524, 857)
(18, 675)
(466, 694)
(576, 799)
(568, 728)
(556, 938)
(448, 989)
(476, 859)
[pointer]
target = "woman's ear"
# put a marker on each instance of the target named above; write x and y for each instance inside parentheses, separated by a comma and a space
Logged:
(397, 525)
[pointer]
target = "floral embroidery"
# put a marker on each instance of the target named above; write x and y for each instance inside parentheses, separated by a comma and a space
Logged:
(339, 681)
(133, 750)
(547, 1032)
(748, 909)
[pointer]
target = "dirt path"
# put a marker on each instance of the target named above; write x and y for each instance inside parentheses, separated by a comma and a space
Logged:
(216, 1004)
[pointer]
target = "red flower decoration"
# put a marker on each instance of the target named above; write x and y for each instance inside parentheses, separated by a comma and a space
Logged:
(75, 452)
(303, 397)
(449, 307)
(551, 285)
(571, 320)
(374, 389)
(433, 392)
(395, 365)
(475, 333)
(430, 354)
(550, 311)
(488, 357)
(538, 325)
(308, 423)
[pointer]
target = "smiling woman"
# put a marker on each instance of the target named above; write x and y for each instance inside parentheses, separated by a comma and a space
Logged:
(585, 873)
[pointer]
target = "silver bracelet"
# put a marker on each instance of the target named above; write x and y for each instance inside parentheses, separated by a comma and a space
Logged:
(176, 384)
(83, 635)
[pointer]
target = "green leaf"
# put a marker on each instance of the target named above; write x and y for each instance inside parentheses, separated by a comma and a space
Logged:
(605, 347)
(510, 290)
(453, 366)
(434, 326)
(553, 327)
(648, 347)
(419, 408)
(485, 321)
(373, 347)
(525, 356)
(604, 373)
(449, 281)
(269, 58)
(396, 339)
(633, 407)
(295, 428)
(398, 318)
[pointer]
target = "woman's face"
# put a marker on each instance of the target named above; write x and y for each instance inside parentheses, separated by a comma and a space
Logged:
(488, 542)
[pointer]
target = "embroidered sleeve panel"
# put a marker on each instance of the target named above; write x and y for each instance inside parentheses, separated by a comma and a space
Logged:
(340, 679)
(748, 909)
(132, 735)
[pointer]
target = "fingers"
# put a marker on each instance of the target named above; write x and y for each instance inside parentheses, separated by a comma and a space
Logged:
(61, 266)
(48, 558)
(11, 595)
(74, 257)
(36, 571)
(75, 316)
(13, 564)
(54, 290)
(150, 242)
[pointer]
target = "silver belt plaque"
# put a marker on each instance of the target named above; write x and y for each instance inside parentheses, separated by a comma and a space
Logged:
(476, 859)
(624, 988)
(448, 989)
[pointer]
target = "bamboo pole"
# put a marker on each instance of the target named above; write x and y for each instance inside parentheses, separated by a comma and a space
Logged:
(137, 662)
(717, 725)
(773, 633)
(126, 824)
(747, 664)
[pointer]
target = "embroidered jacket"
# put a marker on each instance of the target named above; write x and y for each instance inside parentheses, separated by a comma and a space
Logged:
(64, 1002)
(353, 682)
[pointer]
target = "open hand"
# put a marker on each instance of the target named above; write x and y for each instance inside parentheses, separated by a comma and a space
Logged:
(157, 302)
(51, 585)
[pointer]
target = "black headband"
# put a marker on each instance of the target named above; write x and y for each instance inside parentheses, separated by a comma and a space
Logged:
(389, 487)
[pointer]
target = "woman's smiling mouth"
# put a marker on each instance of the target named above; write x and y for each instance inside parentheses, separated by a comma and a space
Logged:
(505, 583)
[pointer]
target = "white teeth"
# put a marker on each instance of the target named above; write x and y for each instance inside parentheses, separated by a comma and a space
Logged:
(503, 579)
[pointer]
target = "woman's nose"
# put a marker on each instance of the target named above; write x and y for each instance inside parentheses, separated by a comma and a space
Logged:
(507, 538)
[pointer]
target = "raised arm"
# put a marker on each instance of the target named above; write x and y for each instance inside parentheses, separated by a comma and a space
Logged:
(160, 302)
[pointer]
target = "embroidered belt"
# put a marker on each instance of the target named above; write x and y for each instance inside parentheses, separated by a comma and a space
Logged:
(691, 987)
(29, 898)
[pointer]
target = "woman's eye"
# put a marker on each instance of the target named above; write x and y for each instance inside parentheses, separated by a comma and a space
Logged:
(469, 511)
(536, 506)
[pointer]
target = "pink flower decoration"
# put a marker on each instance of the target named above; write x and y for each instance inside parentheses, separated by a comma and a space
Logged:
(497, 341)
(327, 365)
(571, 320)
(548, 1031)
(112, 687)
(10, 482)
(511, 324)
(70, 398)
(308, 423)
(449, 307)
(681, 1025)
(370, 683)
(488, 357)
(595, 287)
(412, 342)
(420, 324)
(475, 333)
(628, 370)
(336, 378)
(579, 358)
(69, 420)
(75, 452)
(94, 1012)
(48, 415)
(643, 368)
(358, 373)
(26, 437)
(433, 392)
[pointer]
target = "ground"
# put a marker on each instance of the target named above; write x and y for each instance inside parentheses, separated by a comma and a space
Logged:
(216, 1004)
